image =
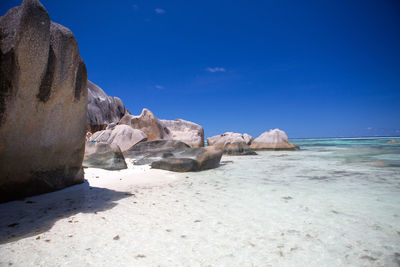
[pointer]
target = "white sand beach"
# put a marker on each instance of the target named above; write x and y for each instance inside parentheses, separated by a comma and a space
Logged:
(176, 152)
(320, 206)
(65, 228)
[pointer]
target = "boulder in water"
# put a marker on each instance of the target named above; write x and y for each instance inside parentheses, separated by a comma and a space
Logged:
(273, 140)
(232, 143)
(193, 159)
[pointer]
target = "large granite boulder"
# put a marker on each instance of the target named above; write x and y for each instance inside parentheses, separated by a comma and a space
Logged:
(147, 152)
(43, 104)
(156, 129)
(122, 135)
(232, 143)
(174, 155)
(273, 140)
(184, 131)
(104, 156)
(147, 123)
(192, 159)
(102, 109)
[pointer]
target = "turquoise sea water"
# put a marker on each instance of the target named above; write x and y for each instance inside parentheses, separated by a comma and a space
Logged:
(335, 202)
(357, 150)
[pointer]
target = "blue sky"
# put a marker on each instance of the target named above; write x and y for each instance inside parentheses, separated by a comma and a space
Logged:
(311, 68)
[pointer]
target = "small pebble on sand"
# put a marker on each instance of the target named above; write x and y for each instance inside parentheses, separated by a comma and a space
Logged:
(140, 256)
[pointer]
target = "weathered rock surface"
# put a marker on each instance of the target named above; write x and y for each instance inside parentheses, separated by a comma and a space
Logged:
(273, 140)
(156, 129)
(232, 143)
(184, 131)
(104, 156)
(174, 155)
(147, 152)
(176, 164)
(122, 135)
(193, 159)
(43, 104)
(147, 123)
(248, 138)
(102, 109)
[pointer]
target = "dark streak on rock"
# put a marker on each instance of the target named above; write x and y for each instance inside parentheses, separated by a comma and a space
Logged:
(47, 79)
(81, 80)
(7, 72)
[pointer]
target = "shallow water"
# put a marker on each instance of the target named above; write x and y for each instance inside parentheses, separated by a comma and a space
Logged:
(336, 202)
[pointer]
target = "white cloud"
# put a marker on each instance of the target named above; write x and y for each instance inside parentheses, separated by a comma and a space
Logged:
(159, 11)
(216, 69)
(159, 87)
(370, 128)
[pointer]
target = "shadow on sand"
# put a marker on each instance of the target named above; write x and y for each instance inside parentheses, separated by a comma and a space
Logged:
(35, 215)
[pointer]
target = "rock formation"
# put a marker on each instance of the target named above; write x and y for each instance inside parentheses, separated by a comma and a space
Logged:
(43, 104)
(248, 138)
(104, 156)
(122, 135)
(174, 156)
(232, 143)
(184, 131)
(147, 123)
(102, 109)
(193, 159)
(147, 152)
(273, 140)
(155, 129)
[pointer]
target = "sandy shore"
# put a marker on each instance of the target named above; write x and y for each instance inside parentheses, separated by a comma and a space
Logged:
(273, 209)
(38, 222)
(129, 179)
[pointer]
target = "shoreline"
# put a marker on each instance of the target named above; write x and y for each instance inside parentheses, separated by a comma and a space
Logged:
(269, 209)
